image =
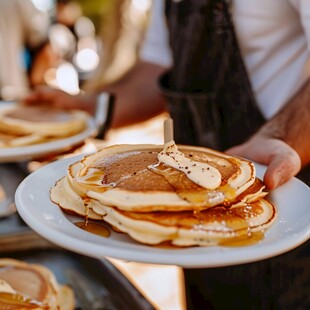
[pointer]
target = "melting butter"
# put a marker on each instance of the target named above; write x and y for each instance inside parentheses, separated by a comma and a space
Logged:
(202, 174)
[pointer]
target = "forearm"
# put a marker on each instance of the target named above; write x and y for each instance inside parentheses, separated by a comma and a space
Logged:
(292, 124)
(137, 95)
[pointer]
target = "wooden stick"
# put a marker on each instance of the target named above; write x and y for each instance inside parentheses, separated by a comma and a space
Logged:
(168, 130)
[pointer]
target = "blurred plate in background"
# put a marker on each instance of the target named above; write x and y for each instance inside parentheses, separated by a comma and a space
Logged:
(22, 153)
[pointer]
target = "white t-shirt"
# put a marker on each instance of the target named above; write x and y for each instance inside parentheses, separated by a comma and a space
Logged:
(274, 38)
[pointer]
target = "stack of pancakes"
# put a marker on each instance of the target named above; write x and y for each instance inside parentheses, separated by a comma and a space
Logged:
(184, 196)
(21, 125)
(31, 286)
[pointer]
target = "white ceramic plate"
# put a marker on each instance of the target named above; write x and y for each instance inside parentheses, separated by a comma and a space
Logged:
(22, 153)
(33, 204)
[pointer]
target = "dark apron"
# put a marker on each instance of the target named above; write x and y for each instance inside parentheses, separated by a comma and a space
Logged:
(209, 95)
(212, 104)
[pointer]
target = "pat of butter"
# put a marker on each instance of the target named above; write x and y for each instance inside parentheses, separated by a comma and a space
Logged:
(202, 174)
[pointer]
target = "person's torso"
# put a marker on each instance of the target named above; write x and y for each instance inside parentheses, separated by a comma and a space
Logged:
(272, 36)
(274, 45)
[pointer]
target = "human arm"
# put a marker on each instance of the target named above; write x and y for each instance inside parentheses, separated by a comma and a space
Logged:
(283, 143)
(137, 97)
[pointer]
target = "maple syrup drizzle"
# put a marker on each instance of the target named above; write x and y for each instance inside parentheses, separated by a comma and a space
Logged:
(86, 201)
(234, 220)
(94, 180)
(244, 240)
(91, 227)
(94, 228)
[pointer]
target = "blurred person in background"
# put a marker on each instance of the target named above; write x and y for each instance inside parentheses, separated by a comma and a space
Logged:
(60, 42)
(23, 36)
(36, 38)
(254, 104)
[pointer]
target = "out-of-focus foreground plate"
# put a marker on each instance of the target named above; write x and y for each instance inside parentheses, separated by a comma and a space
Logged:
(22, 153)
(34, 205)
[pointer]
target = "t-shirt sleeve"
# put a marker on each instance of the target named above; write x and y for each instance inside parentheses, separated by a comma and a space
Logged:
(155, 48)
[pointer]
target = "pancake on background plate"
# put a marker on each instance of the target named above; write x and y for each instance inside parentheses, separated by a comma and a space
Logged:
(185, 196)
(31, 286)
(23, 125)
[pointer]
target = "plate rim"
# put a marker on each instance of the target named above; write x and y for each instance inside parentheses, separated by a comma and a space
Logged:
(144, 253)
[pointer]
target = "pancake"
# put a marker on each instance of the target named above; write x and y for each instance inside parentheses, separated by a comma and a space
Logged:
(145, 191)
(11, 140)
(21, 125)
(75, 202)
(214, 226)
(63, 195)
(132, 178)
(31, 286)
(184, 228)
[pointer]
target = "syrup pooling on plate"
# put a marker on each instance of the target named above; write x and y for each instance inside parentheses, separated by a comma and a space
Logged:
(94, 228)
